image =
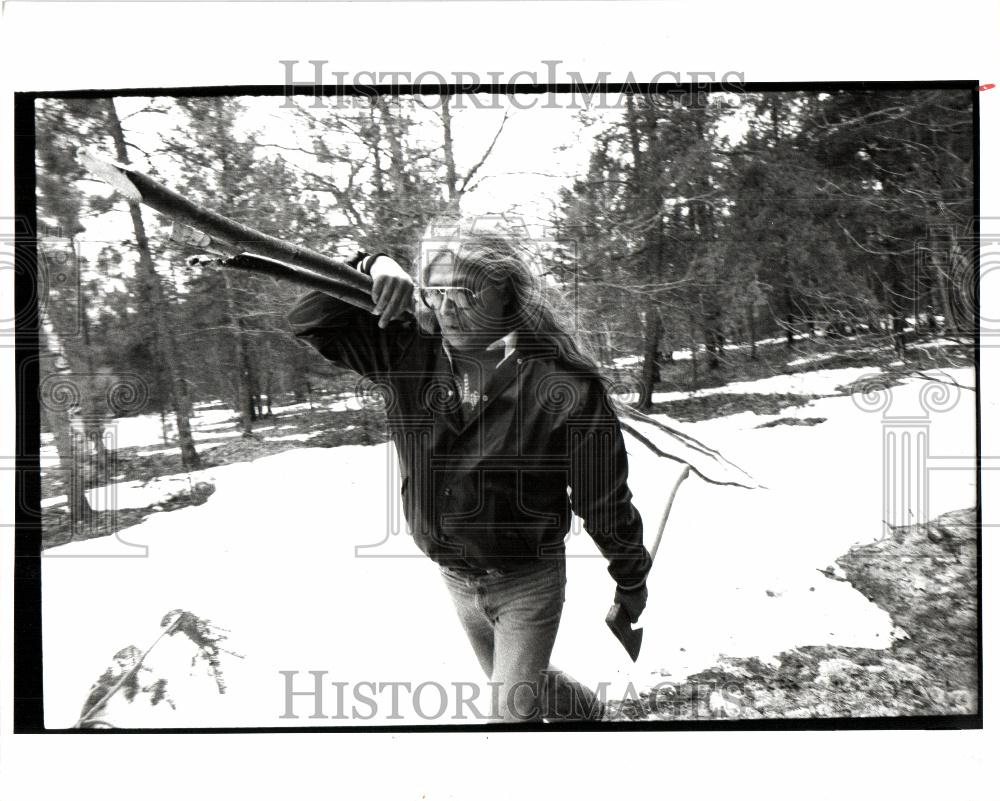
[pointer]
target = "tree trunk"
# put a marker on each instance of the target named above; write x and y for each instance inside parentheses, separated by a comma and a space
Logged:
(775, 124)
(269, 377)
(78, 357)
(647, 202)
(166, 343)
(396, 160)
(898, 312)
(379, 173)
(633, 134)
(382, 221)
(654, 327)
(451, 177)
(94, 409)
(752, 331)
(712, 349)
(945, 291)
(57, 408)
(300, 376)
(694, 358)
(714, 339)
(243, 400)
(898, 334)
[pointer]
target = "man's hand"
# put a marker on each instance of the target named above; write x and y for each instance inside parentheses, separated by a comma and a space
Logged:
(392, 290)
(632, 601)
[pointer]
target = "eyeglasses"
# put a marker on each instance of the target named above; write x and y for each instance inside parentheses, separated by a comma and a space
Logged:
(462, 297)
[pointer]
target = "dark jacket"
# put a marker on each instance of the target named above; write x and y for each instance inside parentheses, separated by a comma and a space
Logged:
(490, 490)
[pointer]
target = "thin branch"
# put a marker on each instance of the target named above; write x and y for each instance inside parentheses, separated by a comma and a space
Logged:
(144, 110)
(869, 250)
(469, 176)
(947, 379)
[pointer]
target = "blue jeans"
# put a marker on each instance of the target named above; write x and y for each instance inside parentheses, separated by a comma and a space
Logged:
(511, 620)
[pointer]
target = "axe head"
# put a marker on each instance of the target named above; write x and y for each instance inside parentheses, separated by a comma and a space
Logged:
(621, 627)
(111, 172)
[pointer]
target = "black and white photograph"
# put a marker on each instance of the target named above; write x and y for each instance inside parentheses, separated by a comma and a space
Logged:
(476, 404)
(700, 304)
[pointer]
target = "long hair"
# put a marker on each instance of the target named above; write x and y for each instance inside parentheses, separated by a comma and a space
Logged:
(487, 247)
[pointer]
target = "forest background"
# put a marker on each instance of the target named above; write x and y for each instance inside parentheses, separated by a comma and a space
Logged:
(699, 238)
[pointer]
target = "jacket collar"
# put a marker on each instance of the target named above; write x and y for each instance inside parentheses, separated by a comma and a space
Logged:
(493, 384)
(508, 343)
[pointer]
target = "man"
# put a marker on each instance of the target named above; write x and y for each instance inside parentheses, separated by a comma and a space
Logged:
(502, 426)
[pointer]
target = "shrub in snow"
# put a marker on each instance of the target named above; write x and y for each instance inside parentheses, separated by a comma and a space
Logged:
(127, 675)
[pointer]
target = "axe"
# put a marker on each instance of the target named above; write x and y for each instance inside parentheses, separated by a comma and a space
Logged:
(617, 619)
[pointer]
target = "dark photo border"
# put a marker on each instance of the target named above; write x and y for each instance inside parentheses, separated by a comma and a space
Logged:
(28, 701)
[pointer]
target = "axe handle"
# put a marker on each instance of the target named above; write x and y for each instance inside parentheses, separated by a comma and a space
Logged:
(666, 512)
(617, 618)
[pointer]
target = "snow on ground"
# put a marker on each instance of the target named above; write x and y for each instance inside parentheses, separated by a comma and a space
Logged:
(304, 437)
(817, 357)
(815, 382)
(294, 554)
(820, 357)
(685, 353)
(935, 344)
(147, 429)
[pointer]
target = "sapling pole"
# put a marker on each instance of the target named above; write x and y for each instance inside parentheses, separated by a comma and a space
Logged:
(304, 278)
(236, 237)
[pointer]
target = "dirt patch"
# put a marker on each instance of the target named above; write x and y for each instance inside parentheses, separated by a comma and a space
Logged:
(328, 429)
(722, 404)
(793, 421)
(926, 578)
(58, 530)
(809, 355)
